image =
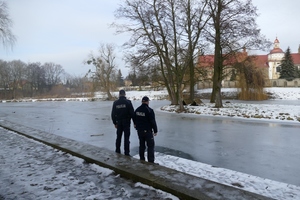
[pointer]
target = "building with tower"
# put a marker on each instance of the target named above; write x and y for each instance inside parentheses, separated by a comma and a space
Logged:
(274, 60)
(275, 57)
(270, 63)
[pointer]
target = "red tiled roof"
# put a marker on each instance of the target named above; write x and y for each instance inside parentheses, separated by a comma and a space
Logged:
(208, 60)
(276, 50)
(296, 58)
(261, 60)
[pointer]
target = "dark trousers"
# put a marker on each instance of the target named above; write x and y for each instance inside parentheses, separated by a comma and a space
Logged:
(123, 126)
(146, 137)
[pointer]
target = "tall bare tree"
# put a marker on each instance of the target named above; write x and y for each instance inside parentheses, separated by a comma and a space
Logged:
(53, 74)
(17, 68)
(36, 77)
(6, 36)
(165, 32)
(231, 29)
(5, 77)
(105, 68)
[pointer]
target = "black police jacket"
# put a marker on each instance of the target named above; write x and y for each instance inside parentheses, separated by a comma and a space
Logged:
(144, 118)
(122, 109)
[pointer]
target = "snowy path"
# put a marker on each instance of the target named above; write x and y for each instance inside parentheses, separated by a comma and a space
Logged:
(31, 170)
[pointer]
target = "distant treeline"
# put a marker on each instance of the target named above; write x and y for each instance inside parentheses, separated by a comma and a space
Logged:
(19, 79)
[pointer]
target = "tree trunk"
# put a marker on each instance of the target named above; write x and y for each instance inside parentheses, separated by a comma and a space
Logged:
(106, 83)
(218, 97)
(218, 62)
(192, 82)
(213, 94)
(181, 108)
(174, 96)
(179, 97)
(109, 96)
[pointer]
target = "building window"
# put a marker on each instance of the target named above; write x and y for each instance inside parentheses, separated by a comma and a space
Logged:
(278, 69)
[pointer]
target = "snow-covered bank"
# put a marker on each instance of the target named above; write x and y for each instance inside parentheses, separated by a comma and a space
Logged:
(262, 186)
(243, 110)
(31, 170)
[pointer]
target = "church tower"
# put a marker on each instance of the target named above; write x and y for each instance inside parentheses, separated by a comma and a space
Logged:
(274, 60)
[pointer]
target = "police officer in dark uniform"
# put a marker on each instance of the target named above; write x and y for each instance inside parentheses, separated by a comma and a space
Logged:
(145, 124)
(121, 115)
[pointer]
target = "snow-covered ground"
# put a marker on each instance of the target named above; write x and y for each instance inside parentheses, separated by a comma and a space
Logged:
(257, 111)
(269, 188)
(33, 171)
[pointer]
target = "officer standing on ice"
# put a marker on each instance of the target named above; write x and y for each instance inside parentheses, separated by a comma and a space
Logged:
(121, 115)
(145, 124)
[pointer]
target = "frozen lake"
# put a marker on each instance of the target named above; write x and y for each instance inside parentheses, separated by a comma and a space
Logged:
(266, 149)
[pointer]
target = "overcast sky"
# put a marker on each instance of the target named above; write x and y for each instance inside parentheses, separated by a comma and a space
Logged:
(66, 31)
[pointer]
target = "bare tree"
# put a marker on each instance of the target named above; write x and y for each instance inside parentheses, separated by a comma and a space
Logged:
(105, 68)
(5, 77)
(17, 68)
(78, 85)
(165, 32)
(232, 28)
(53, 73)
(36, 77)
(140, 72)
(6, 36)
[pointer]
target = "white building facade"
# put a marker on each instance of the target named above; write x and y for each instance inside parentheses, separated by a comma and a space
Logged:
(275, 57)
(274, 60)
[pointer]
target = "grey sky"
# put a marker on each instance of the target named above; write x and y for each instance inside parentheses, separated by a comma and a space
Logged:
(66, 31)
(281, 19)
(63, 32)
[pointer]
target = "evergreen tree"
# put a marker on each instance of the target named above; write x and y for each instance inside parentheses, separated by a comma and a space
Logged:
(120, 79)
(133, 78)
(288, 70)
